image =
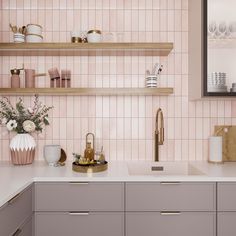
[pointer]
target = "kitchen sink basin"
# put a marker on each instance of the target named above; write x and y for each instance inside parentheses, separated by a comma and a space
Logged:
(163, 168)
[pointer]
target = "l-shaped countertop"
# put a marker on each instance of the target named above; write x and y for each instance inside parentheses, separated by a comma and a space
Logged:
(14, 179)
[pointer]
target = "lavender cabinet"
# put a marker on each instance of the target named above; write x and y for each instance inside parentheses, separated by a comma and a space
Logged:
(15, 212)
(79, 208)
(170, 196)
(170, 224)
(79, 196)
(226, 206)
(170, 209)
(79, 223)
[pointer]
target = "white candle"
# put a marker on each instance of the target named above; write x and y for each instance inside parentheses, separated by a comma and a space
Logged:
(215, 149)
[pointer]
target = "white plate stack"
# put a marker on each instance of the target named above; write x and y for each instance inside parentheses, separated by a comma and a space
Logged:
(151, 81)
(34, 33)
(216, 82)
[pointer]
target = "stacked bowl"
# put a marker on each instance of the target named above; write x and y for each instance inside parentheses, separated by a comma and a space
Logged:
(151, 81)
(216, 82)
(34, 33)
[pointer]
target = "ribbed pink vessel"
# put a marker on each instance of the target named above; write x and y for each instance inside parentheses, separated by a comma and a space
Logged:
(22, 148)
(22, 157)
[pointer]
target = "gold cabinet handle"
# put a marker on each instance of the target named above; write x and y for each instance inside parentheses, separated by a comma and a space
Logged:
(170, 213)
(12, 200)
(78, 213)
(78, 183)
(18, 232)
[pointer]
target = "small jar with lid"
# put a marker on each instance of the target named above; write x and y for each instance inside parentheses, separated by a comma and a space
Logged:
(15, 78)
(94, 36)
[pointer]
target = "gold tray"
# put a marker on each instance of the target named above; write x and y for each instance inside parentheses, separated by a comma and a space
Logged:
(93, 168)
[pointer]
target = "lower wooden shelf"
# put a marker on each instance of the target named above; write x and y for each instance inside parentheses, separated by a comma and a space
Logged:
(88, 91)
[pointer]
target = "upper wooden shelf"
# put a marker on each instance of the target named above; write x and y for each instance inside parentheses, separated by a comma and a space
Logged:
(49, 49)
(88, 91)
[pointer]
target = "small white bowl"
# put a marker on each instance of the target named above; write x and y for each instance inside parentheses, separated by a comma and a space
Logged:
(34, 38)
(34, 29)
(94, 36)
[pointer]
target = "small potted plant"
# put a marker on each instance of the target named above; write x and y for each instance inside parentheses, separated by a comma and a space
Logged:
(23, 121)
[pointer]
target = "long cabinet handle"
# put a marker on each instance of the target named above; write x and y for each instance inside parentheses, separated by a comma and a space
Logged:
(18, 232)
(79, 213)
(12, 200)
(170, 213)
(169, 183)
(78, 183)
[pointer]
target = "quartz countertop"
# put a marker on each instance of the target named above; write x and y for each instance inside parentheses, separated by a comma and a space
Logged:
(14, 179)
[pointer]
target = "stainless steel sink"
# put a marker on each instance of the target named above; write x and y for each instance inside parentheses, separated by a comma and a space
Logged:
(163, 168)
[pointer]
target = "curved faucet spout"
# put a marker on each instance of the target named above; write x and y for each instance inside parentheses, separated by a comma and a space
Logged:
(159, 132)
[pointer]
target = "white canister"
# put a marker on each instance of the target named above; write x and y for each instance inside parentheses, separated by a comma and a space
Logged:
(34, 29)
(215, 149)
(52, 154)
(94, 36)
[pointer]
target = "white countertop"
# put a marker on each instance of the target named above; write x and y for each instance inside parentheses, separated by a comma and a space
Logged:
(14, 179)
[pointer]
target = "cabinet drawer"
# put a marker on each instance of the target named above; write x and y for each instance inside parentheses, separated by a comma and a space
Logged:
(226, 196)
(170, 196)
(14, 213)
(79, 197)
(183, 224)
(74, 224)
(226, 224)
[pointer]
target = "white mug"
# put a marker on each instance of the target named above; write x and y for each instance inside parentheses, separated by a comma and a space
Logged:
(52, 154)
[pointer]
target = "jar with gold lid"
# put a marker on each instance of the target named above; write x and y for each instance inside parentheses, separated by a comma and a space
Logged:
(94, 36)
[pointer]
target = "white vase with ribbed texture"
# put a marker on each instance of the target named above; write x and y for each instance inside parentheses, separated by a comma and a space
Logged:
(22, 148)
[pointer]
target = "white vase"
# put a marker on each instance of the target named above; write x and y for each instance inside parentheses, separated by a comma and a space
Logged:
(22, 148)
(52, 154)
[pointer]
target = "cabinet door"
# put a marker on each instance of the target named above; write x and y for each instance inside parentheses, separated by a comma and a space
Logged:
(226, 196)
(170, 224)
(79, 223)
(79, 197)
(170, 197)
(14, 213)
(226, 224)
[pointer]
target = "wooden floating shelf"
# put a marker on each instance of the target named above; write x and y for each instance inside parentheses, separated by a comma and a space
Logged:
(48, 49)
(89, 91)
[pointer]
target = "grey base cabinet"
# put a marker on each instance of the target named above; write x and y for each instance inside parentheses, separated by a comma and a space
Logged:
(170, 224)
(226, 224)
(15, 212)
(226, 206)
(79, 223)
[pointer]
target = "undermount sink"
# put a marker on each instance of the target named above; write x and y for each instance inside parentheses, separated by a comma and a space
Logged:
(162, 168)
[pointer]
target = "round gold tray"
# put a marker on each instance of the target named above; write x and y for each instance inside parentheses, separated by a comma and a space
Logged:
(93, 168)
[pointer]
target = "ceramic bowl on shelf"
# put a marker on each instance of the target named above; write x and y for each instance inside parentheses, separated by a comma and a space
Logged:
(34, 29)
(34, 38)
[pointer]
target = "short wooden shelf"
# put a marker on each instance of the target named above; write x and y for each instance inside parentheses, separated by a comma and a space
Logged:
(48, 49)
(89, 91)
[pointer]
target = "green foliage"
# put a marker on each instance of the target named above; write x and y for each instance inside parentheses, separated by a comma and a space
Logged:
(38, 114)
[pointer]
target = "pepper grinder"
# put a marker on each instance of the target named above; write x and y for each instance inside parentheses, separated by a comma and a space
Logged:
(15, 78)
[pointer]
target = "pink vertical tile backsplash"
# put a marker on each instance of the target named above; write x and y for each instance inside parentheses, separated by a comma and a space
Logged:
(124, 125)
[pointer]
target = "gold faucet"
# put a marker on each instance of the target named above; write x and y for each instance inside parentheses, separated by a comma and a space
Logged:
(159, 132)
